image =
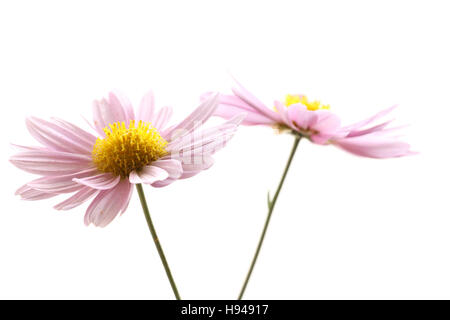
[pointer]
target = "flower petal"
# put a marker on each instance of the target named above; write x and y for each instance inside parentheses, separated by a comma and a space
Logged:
(229, 106)
(49, 162)
(60, 135)
(162, 118)
(146, 107)
(117, 108)
(107, 204)
(248, 97)
(371, 119)
(28, 193)
(60, 183)
(148, 174)
(103, 181)
(195, 119)
(118, 100)
(84, 194)
(374, 146)
(172, 166)
(301, 117)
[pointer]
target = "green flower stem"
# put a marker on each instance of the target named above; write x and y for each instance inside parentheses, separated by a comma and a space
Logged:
(271, 205)
(156, 240)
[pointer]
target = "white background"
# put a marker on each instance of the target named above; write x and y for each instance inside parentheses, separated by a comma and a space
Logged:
(344, 227)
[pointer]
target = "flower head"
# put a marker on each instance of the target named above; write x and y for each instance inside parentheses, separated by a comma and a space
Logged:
(314, 120)
(127, 149)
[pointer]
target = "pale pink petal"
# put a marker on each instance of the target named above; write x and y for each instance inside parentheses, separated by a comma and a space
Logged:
(28, 193)
(327, 122)
(248, 97)
(107, 204)
(146, 107)
(60, 136)
(49, 162)
(84, 194)
(189, 170)
(120, 100)
(164, 183)
(127, 199)
(196, 157)
(301, 117)
(202, 142)
(148, 174)
(172, 166)
(283, 111)
(379, 127)
(326, 126)
(162, 118)
(365, 122)
(21, 148)
(61, 183)
(374, 146)
(107, 112)
(102, 181)
(86, 138)
(195, 119)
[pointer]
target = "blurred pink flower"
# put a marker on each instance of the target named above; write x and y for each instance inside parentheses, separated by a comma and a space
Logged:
(128, 149)
(314, 121)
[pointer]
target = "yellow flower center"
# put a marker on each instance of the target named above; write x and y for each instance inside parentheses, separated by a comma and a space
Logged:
(125, 149)
(310, 105)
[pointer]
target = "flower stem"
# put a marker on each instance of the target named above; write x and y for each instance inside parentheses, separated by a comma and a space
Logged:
(156, 240)
(271, 205)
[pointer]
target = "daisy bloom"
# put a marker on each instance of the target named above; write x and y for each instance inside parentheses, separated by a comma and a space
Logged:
(314, 121)
(128, 148)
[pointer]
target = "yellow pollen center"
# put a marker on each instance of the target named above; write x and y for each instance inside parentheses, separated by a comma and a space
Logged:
(310, 105)
(125, 149)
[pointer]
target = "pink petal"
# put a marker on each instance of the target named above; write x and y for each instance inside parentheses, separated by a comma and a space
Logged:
(301, 117)
(84, 194)
(148, 174)
(106, 112)
(379, 127)
(28, 193)
(365, 122)
(171, 166)
(327, 122)
(60, 183)
(283, 111)
(118, 100)
(107, 204)
(85, 137)
(162, 118)
(103, 181)
(60, 136)
(230, 105)
(146, 108)
(195, 119)
(49, 162)
(202, 142)
(248, 97)
(374, 146)
(326, 126)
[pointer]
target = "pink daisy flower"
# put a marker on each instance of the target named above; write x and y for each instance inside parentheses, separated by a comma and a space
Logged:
(128, 149)
(313, 120)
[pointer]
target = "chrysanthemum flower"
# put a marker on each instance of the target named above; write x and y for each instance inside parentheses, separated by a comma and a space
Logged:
(128, 149)
(313, 120)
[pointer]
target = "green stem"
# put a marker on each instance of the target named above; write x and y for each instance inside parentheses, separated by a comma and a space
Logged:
(271, 204)
(156, 241)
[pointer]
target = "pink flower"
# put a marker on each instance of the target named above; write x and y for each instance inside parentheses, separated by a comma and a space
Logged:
(315, 122)
(128, 149)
